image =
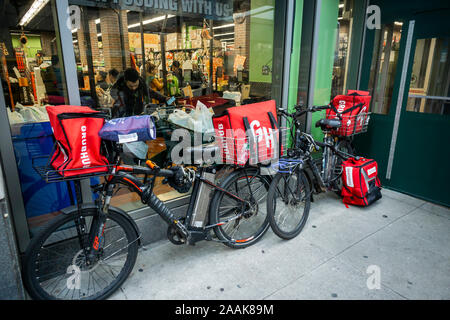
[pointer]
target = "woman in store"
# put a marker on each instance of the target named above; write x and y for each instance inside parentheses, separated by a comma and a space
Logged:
(152, 80)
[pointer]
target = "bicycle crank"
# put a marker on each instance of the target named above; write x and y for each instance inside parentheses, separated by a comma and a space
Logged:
(175, 235)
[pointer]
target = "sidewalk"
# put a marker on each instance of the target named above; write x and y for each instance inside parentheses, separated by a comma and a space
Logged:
(404, 238)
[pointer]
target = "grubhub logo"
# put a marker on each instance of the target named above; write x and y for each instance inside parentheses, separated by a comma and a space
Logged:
(84, 155)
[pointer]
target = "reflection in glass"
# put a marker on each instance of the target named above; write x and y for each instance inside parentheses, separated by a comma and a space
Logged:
(384, 66)
(430, 77)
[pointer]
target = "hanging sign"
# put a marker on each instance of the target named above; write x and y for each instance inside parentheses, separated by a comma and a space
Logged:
(209, 9)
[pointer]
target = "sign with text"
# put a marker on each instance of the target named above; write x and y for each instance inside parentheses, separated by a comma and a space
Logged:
(208, 9)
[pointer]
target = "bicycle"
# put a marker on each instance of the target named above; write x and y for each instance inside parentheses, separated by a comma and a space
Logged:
(89, 251)
(290, 192)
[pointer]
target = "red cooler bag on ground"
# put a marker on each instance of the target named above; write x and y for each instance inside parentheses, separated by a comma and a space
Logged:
(248, 132)
(353, 108)
(361, 185)
(77, 141)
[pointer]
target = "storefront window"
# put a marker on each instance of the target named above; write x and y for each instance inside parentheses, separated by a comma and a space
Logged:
(350, 28)
(216, 52)
(429, 90)
(342, 50)
(384, 66)
(32, 77)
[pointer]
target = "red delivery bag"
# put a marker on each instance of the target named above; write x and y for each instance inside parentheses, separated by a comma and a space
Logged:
(77, 141)
(361, 185)
(353, 110)
(248, 132)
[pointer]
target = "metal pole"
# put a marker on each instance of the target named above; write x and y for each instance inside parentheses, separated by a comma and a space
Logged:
(144, 74)
(87, 39)
(211, 47)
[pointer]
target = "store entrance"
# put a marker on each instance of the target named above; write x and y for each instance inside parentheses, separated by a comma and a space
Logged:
(410, 85)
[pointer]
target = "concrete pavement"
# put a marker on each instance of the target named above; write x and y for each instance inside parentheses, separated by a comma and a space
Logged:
(396, 249)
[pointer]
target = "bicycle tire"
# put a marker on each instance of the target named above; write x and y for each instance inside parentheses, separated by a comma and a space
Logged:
(285, 226)
(257, 221)
(32, 277)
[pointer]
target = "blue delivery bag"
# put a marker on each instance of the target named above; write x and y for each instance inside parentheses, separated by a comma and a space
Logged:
(129, 129)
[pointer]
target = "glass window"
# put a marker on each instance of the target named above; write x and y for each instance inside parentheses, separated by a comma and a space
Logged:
(342, 50)
(384, 65)
(429, 90)
(217, 52)
(32, 77)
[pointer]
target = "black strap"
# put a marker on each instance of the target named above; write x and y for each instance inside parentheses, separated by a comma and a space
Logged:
(252, 139)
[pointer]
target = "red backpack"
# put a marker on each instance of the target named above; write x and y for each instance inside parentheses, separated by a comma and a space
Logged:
(248, 132)
(361, 185)
(353, 108)
(77, 141)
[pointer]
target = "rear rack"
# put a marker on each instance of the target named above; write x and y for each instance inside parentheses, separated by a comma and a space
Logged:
(42, 166)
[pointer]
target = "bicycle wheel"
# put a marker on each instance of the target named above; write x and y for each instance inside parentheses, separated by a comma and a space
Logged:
(288, 203)
(55, 265)
(344, 146)
(249, 219)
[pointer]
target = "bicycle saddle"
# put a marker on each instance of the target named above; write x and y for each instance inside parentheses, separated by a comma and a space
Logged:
(327, 124)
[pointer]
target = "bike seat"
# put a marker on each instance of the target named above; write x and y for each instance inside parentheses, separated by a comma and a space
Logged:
(327, 124)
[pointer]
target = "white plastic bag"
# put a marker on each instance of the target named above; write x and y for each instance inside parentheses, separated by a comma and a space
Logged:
(136, 149)
(202, 118)
(181, 118)
(14, 117)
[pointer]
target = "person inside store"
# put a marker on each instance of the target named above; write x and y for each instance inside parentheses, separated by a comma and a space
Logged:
(100, 80)
(176, 69)
(130, 93)
(153, 82)
(112, 76)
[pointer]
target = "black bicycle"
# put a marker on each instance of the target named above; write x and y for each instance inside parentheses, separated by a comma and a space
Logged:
(299, 175)
(89, 251)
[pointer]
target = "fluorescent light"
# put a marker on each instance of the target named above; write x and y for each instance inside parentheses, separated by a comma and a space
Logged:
(230, 39)
(224, 26)
(99, 34)
(33, 11)
(223, 34)
(74, 30)
(75, 41)
(398, 23)
(341, 5)
(97, 21)
(150, 21)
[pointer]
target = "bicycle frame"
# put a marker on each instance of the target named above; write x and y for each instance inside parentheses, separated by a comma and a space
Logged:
(125, 175)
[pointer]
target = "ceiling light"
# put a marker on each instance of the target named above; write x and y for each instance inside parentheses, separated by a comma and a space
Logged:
(398, 23)
(150, 21)
(341, 5)
(97, 21)
(223, 34)
(32, 12)
(224, 26)
(230, 39)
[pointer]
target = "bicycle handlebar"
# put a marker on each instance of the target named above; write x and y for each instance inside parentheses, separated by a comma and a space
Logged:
(301, 110)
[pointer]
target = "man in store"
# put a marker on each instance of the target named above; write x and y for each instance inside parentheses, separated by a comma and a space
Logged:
(131, 93)
(176, 69)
